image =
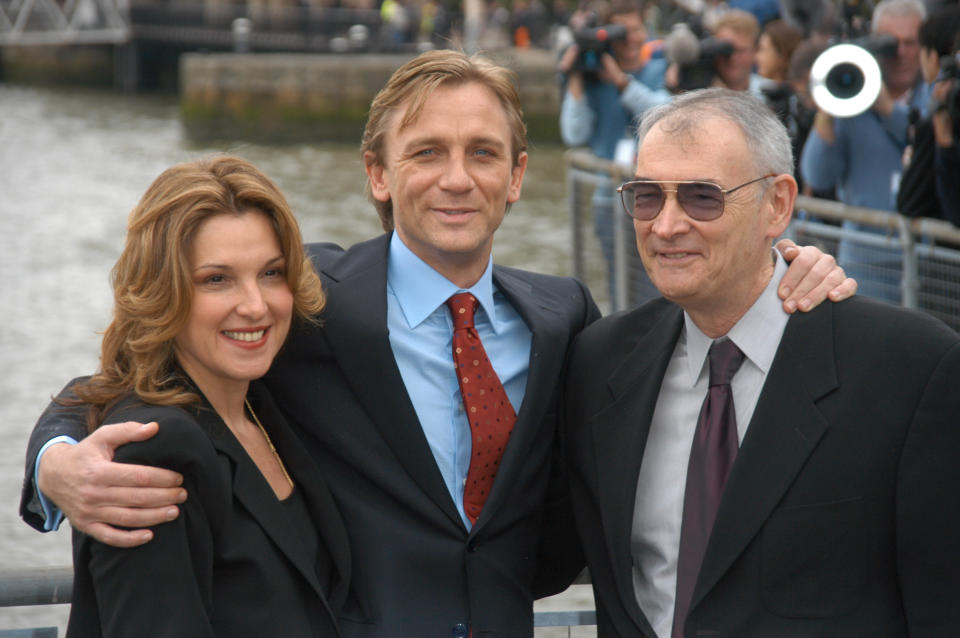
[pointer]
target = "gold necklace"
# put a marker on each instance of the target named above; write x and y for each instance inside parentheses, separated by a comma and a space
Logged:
(283, 468)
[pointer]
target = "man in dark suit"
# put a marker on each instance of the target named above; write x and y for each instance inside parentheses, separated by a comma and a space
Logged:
(373, 391)
(823, 501)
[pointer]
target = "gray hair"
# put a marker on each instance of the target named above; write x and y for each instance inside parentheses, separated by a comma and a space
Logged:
(766, 136)
(899, 9)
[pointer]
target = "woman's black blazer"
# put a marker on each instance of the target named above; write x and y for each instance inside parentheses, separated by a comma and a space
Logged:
(232, 564)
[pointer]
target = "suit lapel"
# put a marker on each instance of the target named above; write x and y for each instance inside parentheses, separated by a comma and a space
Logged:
(253, 492)
(548, 329)
(785, 429)
(323, 509)
(355, 321)
(620, 434)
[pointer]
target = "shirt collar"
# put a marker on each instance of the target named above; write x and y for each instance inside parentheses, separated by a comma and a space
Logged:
(757, 333)
(420, 289)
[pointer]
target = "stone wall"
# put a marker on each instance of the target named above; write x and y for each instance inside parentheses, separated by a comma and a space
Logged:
(82, 65)
(311, 97)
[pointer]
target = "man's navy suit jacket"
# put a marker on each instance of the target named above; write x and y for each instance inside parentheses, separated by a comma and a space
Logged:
(416, 569)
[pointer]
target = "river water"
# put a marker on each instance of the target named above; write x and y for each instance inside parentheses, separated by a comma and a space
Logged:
(72, 164)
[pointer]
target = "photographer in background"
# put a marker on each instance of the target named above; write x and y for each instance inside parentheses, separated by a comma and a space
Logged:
(726, 56)
(802, 108)
(946, 122)
(605, 91)
(861, 155)
(931, 178)
(735, 71)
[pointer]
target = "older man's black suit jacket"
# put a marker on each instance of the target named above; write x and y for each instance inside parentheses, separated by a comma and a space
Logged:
(417, 572)
(841, 515)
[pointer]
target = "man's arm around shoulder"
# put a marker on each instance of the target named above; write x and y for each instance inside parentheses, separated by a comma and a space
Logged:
(57, 423)
(96, 494)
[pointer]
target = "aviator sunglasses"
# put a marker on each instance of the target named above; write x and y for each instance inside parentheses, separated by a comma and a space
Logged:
(643, 199)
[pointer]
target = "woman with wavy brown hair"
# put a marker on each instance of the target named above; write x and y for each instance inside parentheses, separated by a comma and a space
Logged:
(212, 276)
(778, 40)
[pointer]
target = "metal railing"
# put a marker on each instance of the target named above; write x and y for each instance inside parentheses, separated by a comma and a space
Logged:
(268, 29)
(35, 586)
(53, 586)
(192, 24)
(914, 262)
(49, 22)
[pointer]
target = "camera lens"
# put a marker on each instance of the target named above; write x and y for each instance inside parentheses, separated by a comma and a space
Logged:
(845, 80)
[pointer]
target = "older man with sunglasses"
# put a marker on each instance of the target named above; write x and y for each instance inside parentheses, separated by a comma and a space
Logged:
(737, 471)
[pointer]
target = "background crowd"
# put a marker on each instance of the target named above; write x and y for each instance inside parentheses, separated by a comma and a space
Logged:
(618, 59)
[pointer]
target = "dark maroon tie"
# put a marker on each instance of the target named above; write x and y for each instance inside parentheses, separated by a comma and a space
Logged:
(714, 449)
(488, 408)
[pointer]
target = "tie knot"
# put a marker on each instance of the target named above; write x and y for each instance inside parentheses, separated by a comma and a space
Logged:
(462, 306)
(725, 359)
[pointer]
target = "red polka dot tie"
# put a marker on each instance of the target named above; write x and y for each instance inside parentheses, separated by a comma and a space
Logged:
(488, 408)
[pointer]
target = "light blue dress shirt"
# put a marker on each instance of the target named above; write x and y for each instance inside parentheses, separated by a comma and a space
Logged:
(865, 164)
(53, 515)
(421, 336)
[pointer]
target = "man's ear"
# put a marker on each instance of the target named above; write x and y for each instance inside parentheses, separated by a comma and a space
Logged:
(376, 177)
(516, 178)
(782, 198)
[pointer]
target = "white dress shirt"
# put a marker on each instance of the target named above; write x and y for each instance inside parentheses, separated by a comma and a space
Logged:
(658, 512)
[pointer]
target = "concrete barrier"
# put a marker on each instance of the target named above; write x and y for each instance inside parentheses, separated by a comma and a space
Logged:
(326, 96)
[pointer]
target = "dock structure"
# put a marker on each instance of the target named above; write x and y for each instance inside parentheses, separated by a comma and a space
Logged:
(135, 34)
(51, 23)
(256, 25)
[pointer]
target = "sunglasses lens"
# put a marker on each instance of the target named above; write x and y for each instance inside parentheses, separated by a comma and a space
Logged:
(643, 201)
(702, 202)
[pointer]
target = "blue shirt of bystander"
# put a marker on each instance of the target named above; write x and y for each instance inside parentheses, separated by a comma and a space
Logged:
(864, 163)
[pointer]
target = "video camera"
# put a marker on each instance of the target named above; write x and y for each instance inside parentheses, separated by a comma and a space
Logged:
(950, 70)
(695, 58)
(845, 80)
(593, 42)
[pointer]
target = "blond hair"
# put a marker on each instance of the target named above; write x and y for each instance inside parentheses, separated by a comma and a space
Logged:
(412, 84)
(740, 22)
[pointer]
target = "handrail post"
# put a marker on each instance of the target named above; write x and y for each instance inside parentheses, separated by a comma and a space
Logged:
(576, 228)
(621, 288)
(909, 278)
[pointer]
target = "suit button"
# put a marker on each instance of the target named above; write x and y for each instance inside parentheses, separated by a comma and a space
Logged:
(473, 546)
(460, 630)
